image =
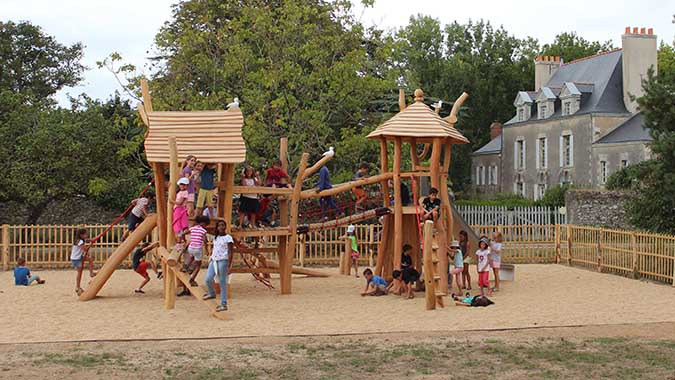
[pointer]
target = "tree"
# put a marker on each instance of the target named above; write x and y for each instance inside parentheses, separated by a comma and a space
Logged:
(302, 69)
(570, 46)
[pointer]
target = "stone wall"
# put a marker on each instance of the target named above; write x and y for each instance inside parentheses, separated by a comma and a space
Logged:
(599, 208)
(79, 210)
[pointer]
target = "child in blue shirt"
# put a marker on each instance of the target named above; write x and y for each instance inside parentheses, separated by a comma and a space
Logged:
(22, 274)
(375, 285)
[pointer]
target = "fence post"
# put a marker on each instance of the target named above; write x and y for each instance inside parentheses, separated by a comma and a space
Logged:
(301, 239)
(557, 243)
(5, 246)
(371, 241)
(633, 248)
(599, 249)
(569, 245)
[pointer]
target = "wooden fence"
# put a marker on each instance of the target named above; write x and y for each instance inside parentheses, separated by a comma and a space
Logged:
(502, 215)
(626, 253)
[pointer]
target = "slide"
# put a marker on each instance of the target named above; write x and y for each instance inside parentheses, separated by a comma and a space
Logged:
(458, 224)
(118, 256)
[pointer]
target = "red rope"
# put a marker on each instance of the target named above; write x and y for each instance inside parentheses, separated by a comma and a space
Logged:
(94, 240)
(417, 211)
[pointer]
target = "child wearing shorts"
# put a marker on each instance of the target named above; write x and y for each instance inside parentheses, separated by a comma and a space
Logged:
(351, 230)
(483, 256)
(375, 285)
(138, 213)
(496, 257)
(195, 250)
(77, 255)
(140, 264)
(458, 261)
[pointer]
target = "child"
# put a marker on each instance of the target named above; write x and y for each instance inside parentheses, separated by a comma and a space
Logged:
(496, 257)
(410, 274)
(325, 184)
(80, 249)
(397, 286)
(22, 274)
(431, 206)
(219, 264)
(361, 197)
(180, 212)
(483, 256)
(458, 260)
(351, 230)
(465, 246)
(188, 166)
(138, 213)
(276, 175)
(248, 203)
(405, 193)
(375, 285)
(265, 214)
(472, 301)
(140, 265)
(207, 186)
(193, 259)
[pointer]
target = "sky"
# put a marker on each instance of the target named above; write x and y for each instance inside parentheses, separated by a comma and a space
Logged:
(129, 26)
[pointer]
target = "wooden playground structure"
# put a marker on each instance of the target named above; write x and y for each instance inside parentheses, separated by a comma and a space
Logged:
(216, 137)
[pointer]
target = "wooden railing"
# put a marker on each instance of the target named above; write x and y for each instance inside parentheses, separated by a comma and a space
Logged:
(626, 253)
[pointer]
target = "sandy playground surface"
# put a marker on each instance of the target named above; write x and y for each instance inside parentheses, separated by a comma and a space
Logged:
(541, 296)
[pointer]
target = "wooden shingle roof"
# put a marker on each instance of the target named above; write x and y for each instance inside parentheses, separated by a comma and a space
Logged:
(418, 122)
(212, 136)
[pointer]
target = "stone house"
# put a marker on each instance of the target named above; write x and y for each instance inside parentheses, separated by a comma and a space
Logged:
(578, 127)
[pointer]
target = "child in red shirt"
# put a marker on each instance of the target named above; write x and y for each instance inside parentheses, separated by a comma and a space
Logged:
(276, 176)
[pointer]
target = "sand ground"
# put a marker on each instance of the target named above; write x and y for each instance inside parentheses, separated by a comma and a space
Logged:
(543, 296)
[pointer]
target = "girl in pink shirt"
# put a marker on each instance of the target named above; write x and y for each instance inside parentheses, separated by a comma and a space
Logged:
(180, 214)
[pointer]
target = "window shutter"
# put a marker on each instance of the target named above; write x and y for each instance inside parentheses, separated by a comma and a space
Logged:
(515, 154)
(496, 178)
(538, 155)
(484, 179)
(524, 154)
(545, 153)
(477, 175)
(561, 153)
(571, 150)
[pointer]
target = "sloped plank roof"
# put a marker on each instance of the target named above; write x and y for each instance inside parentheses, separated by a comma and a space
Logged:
(212, 136)
(418, 121)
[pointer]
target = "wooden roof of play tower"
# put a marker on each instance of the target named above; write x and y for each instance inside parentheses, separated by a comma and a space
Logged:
(215, 136)
(419, 122)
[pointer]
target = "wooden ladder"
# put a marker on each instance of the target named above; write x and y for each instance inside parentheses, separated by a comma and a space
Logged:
(432, 268)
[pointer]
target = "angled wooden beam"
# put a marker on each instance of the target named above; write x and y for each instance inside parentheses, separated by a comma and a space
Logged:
(401, 99)
(452, 118)
(315, 168)
(145, 93)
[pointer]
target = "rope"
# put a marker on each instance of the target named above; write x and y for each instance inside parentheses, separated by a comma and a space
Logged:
(257, 276)
(99, 236)
(417, 212)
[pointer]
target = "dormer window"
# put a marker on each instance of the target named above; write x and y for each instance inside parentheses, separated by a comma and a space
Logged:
(523, 104)
(545, 101)
(521, 114)
(570, 96)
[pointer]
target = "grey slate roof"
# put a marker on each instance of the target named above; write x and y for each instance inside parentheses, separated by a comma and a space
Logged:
(631, 130)
(604, 72)
(493, 147)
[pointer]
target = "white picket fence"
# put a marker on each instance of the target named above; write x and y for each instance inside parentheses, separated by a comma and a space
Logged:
(502, 215)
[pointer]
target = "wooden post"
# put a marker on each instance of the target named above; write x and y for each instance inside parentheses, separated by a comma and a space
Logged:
(371, 241)
(5, 247)
(345, 258)
(430, 291)
(160, 201)
(283, 207)
(382, 246)
(435, 166)
(170, 283)
(226, 194)
(384, 168)
(599, 249)
(398, 206)
(145, 93)
(633, 248)
(286, 262)
(557, 243)
(569, 245)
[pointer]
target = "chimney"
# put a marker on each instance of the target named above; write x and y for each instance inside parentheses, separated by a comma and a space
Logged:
(639, 54)
(495, 130)
(544, 68)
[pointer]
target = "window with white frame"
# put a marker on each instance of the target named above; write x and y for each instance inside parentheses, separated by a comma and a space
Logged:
(542, 153)
(521, 114)
(481, 175)
(477, 176)
(566, 150)
(492, 175)
(520, 154)
(603, 172)
(543, 108)
(567, 108)
(519, 189)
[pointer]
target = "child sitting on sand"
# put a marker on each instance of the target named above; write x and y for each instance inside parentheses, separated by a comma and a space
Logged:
(22, 274)
(140, 264)
(396, 286)
(375, 285)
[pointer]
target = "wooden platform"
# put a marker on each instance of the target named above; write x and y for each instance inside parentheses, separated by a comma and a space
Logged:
(260, 232)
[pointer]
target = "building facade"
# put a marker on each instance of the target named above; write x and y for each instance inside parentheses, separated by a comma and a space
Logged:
(579, 126)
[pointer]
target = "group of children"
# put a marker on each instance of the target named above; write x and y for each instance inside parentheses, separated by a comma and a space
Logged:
(488, 258)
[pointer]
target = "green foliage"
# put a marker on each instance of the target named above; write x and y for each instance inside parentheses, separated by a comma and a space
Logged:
(628, 177)
(570, 46)
(554, 196)
(508, 200)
